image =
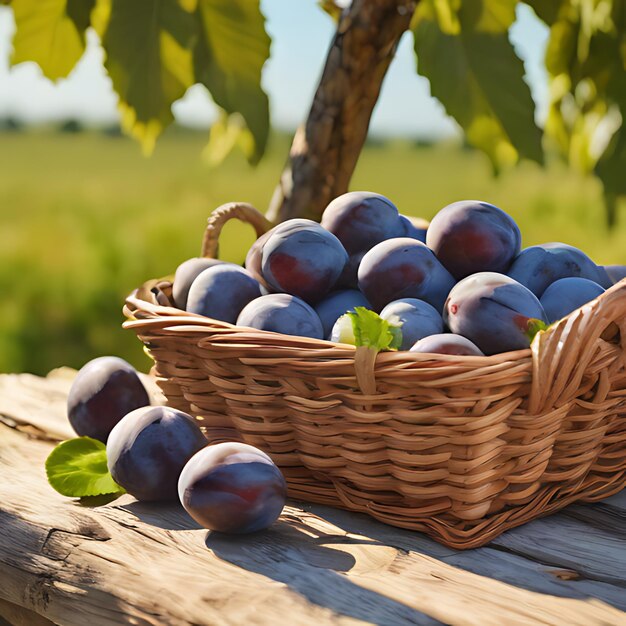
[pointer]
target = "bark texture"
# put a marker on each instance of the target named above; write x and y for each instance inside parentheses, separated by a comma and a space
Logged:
(325, 150)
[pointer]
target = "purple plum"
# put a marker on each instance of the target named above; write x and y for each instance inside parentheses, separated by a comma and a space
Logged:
(415, 318)
(221, 292)
(566, 295)
(447, 343)
(302, 259)
(104, 390)
(493, 311)
(148, 449)
(361, 219)
(472, 236)
(403, 268)
(232, 488)
(539, 266)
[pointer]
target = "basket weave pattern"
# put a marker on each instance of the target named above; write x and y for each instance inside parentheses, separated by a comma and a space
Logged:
(462, 448)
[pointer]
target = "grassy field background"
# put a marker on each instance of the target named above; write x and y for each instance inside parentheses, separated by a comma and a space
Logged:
(84, 219)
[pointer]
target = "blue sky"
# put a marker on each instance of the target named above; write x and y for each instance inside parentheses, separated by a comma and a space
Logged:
(301, 33)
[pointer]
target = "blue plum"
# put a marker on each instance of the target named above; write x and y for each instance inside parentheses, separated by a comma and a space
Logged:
(255, 257)
(566, 295)
(615, 272)
(185, 274)
(361, 219)
(472, 236)
(302, 259)
(282, 313)
(493, 311)
(349, 276)
(148, 449)
(403, 268)
(414, 227)
(333, 306)
(539, 266)
(447, 343)
(221, 292)
(416, 319)
(232, 488)
(104, 390)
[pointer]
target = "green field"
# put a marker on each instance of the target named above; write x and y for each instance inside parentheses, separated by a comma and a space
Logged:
(84, 219)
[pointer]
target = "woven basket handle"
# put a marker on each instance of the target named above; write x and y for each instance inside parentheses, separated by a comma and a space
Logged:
(562, 354)
(232, 210)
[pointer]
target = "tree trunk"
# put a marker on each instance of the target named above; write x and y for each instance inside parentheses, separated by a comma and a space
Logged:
(325, 150)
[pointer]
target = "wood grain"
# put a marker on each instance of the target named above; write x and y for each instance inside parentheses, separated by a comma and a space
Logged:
(126, 562)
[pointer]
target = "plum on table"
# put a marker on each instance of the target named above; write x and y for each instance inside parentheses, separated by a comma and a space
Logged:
(232, 488)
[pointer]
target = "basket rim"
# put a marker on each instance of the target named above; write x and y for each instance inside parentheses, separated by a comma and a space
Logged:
(171, 318)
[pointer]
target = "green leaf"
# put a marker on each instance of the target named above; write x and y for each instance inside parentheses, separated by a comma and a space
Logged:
(331, 7)
(228, 59)
(148, 45)
(586, 62)
(78, 468)
(51, 33)
(477, 76)
(535, 326)
(373, 331)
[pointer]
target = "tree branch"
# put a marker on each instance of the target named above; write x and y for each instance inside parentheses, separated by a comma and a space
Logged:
(325, 150)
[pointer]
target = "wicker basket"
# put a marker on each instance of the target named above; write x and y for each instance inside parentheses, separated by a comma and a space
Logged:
(461, 448)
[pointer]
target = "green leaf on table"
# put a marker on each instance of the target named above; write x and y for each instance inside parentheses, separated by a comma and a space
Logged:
(373, 331)
(148, 45)
(51, 33)
(228, 59)
(464, 50)
(78, 468)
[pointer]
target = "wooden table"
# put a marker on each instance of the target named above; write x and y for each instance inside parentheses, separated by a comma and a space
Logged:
(131, 563)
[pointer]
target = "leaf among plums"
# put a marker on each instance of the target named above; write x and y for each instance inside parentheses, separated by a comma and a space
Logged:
(78, 468)
(535, 326)
(373, 331)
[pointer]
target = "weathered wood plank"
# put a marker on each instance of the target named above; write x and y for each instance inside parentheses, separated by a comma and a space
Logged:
(128, 562)
(563, 542)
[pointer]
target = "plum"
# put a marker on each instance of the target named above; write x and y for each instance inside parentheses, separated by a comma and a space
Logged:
(255, 256)
(302, 259)
(361, 219)
(615, 272)
(104, 390)
(148, 449)
(333, 306)
(282, 313)
(537, 267)
(472, 236)
(221, 292)
(232, 488)
(185, 274)
(493, 311)
(566, 295)
(403, 268)
(414, 317)
(447, 343)
(349, 276)
(414, 227)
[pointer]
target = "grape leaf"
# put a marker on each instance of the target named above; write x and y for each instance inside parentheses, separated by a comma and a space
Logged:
(373, 331)
(51, 33)
(148, 45)
(474, 72)
(78, 468)
(228, 59)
